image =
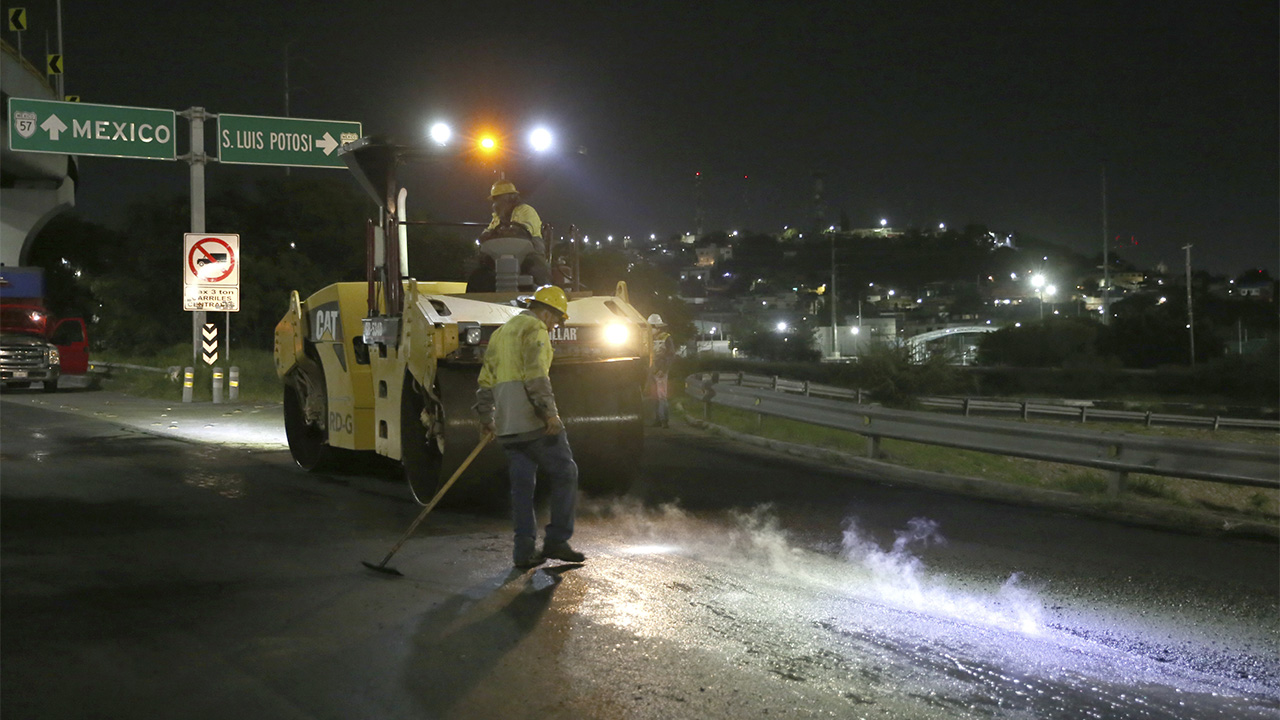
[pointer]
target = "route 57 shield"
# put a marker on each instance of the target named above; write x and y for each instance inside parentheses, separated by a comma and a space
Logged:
(24, 121)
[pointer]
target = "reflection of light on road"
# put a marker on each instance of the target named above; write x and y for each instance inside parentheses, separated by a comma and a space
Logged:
(650, 549)
(228, 486)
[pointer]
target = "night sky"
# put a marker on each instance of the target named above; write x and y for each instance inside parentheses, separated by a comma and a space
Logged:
(919, 113)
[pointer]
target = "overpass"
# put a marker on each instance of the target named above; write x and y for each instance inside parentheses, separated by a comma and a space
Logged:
(919, 344)
(34, 187)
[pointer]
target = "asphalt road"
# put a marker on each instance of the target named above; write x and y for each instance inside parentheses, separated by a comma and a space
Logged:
(156, 575)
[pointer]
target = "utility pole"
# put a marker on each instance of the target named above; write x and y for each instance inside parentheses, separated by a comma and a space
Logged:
(1106, 260)
(1191, 325)
(62, 89)
(287, 169)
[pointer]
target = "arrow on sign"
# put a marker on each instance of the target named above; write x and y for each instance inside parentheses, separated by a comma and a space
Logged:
(327, 143)
(18, 19)
(210, 332)
(53, 125)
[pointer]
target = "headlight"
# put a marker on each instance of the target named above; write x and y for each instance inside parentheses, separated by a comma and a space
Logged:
(54, 356)
(616, 334)
(469, 333)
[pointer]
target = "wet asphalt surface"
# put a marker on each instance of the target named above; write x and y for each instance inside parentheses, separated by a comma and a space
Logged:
(161, 576)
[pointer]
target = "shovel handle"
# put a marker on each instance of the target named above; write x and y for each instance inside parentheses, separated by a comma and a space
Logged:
(484, 440)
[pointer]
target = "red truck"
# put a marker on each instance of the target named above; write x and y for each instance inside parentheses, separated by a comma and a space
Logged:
(33, 346)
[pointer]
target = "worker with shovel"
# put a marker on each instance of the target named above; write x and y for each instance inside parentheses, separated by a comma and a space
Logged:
(515, 402)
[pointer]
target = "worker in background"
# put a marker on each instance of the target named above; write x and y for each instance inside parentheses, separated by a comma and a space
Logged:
(516, 403)
(512, 217)
(664, 352)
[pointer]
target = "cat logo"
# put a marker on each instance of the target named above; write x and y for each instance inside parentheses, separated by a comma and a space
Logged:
(325, 326)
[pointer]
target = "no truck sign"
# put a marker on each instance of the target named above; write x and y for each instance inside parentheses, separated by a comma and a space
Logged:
(211, 272)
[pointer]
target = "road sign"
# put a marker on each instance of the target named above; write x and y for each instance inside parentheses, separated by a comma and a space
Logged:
(55, 65)
(77, 128)
(211, 272)
(17, 19)
(257, 140)
(210, 345)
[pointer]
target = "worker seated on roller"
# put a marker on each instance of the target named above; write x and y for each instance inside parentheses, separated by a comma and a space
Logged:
(512, 217)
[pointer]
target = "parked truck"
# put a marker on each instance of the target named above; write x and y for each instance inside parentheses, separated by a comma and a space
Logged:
(36, 347)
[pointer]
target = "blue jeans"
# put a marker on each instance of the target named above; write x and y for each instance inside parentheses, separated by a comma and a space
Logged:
(553, 454)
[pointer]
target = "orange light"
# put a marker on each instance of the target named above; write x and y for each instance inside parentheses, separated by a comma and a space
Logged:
(488, 144)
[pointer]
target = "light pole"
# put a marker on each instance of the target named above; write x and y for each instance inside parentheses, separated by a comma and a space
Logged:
(1037, 282)
(835, 339)
(1191, 325)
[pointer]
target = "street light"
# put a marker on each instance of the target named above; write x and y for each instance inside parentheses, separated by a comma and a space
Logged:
(440, 133)
(540, 139)
(1037, 282)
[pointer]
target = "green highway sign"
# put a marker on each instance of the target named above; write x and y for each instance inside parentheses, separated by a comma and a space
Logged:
(256, 140)
(77, 128)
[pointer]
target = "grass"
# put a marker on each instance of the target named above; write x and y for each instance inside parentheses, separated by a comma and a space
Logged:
(1257, 503)
(258, 381)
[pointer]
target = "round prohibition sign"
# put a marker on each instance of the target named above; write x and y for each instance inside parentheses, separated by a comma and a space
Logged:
(207, 251)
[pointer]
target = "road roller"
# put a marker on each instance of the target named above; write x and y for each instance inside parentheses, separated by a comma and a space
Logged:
(390, 365)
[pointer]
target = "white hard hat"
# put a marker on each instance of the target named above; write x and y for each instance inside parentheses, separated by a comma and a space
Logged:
(656, 319)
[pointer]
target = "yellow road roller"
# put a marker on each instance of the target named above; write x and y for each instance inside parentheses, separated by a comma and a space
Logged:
(390, 365)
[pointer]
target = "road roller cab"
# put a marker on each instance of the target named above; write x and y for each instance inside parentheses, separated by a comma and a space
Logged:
(390, 365)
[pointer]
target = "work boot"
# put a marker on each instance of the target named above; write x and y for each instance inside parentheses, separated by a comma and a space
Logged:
(525, 554)
(560, 550)
(532, 560)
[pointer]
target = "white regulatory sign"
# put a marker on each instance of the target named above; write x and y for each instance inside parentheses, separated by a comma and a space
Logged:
(211, 272)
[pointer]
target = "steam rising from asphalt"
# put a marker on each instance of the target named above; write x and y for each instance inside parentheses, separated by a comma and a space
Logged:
(860, 566)
(901, 577)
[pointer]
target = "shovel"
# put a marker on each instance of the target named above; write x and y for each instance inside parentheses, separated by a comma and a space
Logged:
(382, 566)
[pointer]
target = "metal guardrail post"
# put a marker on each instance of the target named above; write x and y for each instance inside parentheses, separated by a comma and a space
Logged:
(739, 378)
(873, 446)
(234, 393)
(859, 396)
(806, 388)
(966, 407)
(188, 380)
(1147, 421)
(1217, 420)
(1117, 483)
(217, 385)
(1084, 413)
(774, 387)
(1024, 409)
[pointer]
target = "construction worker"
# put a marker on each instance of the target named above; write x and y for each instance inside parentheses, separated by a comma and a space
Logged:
(512, 217)
(516, 403)
(664, 352)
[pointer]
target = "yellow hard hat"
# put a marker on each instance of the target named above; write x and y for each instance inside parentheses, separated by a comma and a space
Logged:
(553, 297)
(502, 187)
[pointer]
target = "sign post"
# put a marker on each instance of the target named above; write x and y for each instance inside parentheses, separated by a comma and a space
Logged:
(258, 140)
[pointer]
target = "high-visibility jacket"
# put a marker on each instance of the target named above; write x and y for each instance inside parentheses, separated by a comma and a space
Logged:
(664, 351)
(524, 215)
(515, 383)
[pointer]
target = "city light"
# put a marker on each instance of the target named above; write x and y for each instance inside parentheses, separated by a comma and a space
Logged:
(782, 327)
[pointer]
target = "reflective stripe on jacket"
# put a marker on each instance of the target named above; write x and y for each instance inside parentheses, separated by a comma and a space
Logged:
(515, 384)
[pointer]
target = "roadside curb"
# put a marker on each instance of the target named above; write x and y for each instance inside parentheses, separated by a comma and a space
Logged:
(1125, 510)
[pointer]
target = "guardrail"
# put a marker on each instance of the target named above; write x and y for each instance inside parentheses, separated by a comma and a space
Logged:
(1118, 453)
(1082, 411)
